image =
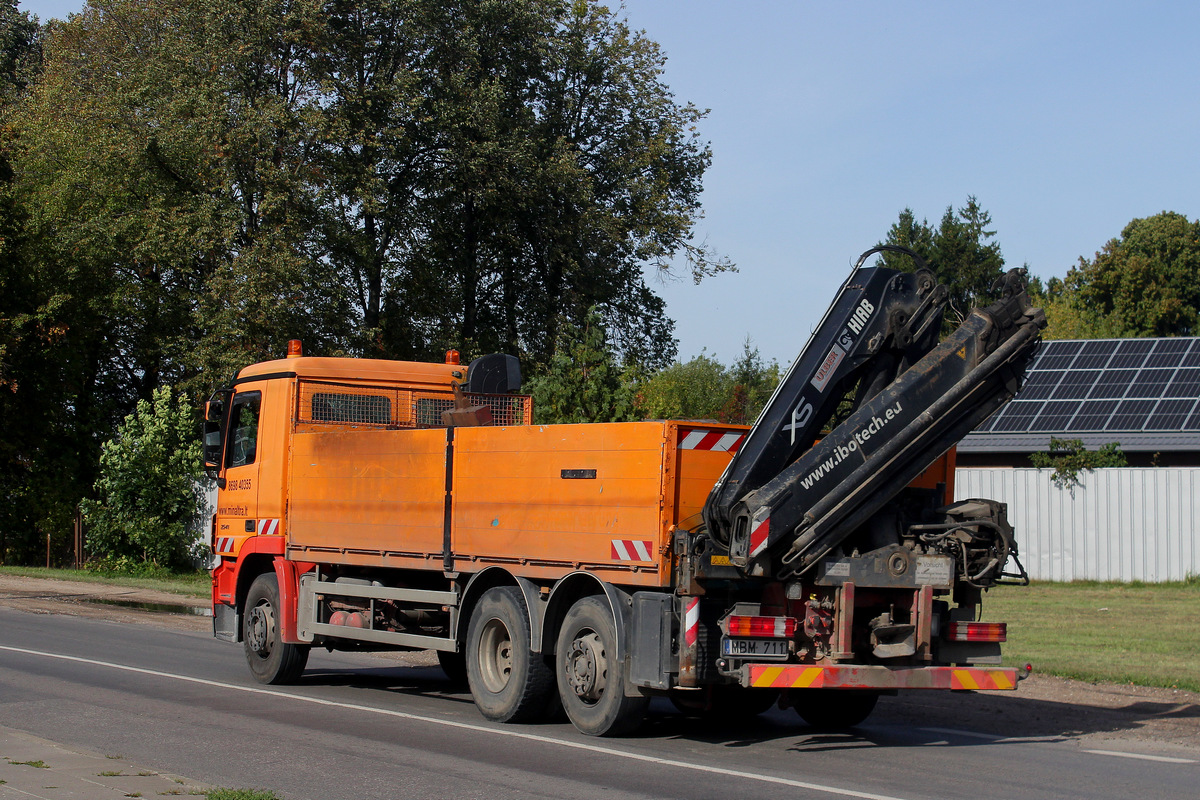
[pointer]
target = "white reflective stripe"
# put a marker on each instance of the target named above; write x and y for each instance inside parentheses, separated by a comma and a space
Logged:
(692, 616)
(692, 439)
(262, 525)
(727, 441)
(622, 553)
(267, 527)
(643, 550)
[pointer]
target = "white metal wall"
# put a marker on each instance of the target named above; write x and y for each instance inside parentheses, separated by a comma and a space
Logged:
(1121, 524)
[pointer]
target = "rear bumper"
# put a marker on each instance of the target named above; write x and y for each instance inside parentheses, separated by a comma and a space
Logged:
(793, 676)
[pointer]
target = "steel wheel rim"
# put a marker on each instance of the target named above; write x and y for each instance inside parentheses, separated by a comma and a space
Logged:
(587, 667)
(259, 629)
(495, 655)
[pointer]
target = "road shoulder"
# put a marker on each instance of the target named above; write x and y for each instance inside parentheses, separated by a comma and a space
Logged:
(35, 767)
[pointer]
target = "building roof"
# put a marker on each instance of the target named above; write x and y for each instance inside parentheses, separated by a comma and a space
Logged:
(1143, 393)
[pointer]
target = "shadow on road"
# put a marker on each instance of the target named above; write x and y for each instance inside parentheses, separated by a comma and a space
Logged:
(929, 718)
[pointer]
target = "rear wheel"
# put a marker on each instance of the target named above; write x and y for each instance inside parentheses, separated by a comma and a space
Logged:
(832, 709)
(591, 681)
(508, 681)
(271, 660)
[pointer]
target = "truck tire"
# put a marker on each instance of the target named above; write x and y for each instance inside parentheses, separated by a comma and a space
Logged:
(508, 681)
(590, 682)
(834, 709)
(271, 660)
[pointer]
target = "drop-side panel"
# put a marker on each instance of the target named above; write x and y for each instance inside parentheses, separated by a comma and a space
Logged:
(703, 452)
(546, 499)
(368, 497)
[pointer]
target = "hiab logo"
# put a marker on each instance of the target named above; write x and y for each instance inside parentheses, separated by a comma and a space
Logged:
(862, 315)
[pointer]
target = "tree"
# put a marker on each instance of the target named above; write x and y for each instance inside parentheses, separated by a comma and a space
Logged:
(1068, 457)
(148, 495)
(703, 388)
(958, 251)
(195, 182)
(35, 483)
(1144, 283)
(555, 167)
(20, 50)
(695, 389)
(583, 382)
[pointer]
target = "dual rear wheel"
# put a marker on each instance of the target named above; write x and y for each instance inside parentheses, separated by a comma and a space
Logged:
(510, 683)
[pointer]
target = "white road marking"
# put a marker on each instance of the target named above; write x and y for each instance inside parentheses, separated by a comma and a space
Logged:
(987, 736)
(968, 734)
(591, 748)
(990, 738)
(1166, 759)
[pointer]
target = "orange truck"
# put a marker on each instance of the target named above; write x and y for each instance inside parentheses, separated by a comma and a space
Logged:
(813, 560)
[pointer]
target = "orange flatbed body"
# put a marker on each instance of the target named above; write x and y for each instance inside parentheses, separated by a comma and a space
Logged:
(541, 500)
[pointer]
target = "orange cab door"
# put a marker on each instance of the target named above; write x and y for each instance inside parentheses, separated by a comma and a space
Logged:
(237, 502)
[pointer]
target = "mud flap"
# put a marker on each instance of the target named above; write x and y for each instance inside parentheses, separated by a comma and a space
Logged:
(227, 623)
(650, 661)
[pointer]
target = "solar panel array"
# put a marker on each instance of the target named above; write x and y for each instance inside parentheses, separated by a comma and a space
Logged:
(1144, 385)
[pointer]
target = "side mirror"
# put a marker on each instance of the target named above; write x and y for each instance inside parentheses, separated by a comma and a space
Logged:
(214, 438)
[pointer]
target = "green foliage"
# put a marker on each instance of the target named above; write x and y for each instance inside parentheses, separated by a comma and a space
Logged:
(148, 491)
(958, 250)
(703, 388)
(583, 382)
(695, 389)
(194, 182)
(1068, 457)
(1144, 283)
(20, 50)
(127, 566)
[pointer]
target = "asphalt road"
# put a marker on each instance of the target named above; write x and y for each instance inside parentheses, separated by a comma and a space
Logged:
(359, 728)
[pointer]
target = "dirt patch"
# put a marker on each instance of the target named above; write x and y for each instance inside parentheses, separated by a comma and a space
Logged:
(1042, 706)
(100, 601)
(1057, 708)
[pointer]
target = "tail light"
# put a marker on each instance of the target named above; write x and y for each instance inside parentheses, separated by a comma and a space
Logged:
(761, 627)
(978, 632)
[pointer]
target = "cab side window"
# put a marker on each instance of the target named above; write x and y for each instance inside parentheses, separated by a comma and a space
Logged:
(243, 421)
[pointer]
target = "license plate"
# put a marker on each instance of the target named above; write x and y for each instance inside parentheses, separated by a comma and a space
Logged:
(755, 648)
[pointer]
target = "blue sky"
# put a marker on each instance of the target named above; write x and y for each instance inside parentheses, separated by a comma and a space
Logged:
(1065, 119)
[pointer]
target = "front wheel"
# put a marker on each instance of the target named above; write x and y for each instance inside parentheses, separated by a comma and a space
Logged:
(834, 709)
(591, 681)
(271, 660)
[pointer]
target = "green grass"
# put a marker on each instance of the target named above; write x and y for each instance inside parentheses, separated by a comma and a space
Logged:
(197, 584)
(1139, 633)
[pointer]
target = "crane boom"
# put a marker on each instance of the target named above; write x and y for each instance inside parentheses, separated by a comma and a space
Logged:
(787, 499)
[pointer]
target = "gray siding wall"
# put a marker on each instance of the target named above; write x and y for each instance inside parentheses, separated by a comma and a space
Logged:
(1121, 524)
